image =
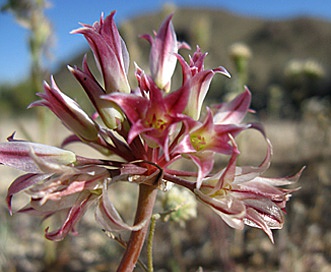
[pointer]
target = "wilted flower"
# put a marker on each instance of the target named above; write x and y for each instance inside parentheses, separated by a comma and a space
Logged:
(149, 129)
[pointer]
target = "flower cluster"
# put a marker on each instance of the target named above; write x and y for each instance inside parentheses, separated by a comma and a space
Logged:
(149, 128)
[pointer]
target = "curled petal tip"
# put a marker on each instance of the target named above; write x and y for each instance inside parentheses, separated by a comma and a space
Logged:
(184, 45)
(223, 71)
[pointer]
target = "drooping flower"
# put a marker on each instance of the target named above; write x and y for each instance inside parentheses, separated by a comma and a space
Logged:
(240, 195)
(60, 182)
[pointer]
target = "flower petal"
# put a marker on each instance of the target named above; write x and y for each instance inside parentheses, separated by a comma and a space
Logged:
(234, 111)
(229, 209)
(109, 218)
(22, 183)
(75, 213)
(68, 111)
(17, 154)
(133, 106)
(108, 111)
(162, 55)
(254, 219)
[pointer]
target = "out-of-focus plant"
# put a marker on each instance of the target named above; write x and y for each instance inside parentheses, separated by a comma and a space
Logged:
(302, 78)
(179, 206)
(315, 128)
(202, 30)
(275, 101)
(151, 129)
(30, 14)
(240, 55)
(301, 69)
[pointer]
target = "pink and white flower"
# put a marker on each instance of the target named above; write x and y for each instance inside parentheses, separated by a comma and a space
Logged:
(148, 129)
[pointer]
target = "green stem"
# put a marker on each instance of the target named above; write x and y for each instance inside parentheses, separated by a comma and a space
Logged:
(150, 242)
(146, 200)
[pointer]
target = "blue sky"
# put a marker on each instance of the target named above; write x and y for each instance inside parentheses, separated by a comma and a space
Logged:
(65, 15)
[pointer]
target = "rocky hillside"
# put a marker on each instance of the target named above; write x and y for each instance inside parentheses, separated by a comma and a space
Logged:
(276, 47)
(273, 44)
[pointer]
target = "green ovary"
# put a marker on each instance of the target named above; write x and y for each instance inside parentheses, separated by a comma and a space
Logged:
(156, 123)
(198, 142)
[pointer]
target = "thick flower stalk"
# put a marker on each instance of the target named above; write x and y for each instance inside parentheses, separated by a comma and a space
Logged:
(149, 128)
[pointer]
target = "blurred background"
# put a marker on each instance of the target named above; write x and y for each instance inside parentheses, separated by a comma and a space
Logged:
(281, 50)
